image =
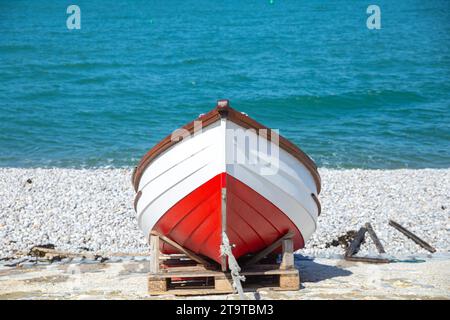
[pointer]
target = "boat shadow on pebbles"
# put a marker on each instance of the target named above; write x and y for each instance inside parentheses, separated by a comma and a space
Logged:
(312, 271)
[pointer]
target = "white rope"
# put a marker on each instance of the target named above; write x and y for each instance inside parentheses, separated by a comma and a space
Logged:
(225, 249)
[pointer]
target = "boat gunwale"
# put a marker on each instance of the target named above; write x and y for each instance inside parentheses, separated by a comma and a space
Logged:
(237, 117)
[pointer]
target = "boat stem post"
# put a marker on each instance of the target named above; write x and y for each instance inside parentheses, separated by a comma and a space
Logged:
(223, 263)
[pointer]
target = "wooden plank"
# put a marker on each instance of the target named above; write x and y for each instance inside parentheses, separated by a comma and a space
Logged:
(412, 236)
(353, 248)
(207, 282)
(187, 252)
(287, 255)
(220, 274)
(154, 254)
(172, 256)
(178, 263)
(290, 281)
(184, 269)
(268, 272)
(159, 285)
(223, 284)
(367, 259)
(257, 257)
(374, 238)
(43, 252)
(262, 267)
(190, 292)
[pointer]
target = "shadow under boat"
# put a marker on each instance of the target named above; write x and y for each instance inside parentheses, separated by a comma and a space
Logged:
(312, 271)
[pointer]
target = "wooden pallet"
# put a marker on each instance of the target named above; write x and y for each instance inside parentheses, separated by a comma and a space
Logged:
(198, 280)
(185, 275)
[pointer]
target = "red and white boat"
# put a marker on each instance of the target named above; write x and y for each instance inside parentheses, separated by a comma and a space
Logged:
(225, 172)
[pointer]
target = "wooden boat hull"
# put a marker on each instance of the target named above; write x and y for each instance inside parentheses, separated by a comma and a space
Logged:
(195, 188)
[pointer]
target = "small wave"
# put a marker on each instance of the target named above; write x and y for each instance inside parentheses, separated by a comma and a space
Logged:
(82, 66)
(349, 100)
(16, 48)
(186, 62)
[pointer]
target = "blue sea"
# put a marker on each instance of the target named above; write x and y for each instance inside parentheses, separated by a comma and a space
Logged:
(102, 95)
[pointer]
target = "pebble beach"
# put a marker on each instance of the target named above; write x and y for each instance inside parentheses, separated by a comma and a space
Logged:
(92, 209)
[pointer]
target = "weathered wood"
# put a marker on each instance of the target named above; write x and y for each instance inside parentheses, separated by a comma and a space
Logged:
(164, 256)
(374, 238)
(52, 254)
(178, 262)
(211, 273)
(199, 282)
(353, 248)
(260, 255)
(157, 285)
(223, 284)
(46, 252)
(190, 292)
(412, 236)
(154, 253)
(290, 281)
(367, 259)
(261, 267)
(187, 252)
(184, 269)
(287, 254)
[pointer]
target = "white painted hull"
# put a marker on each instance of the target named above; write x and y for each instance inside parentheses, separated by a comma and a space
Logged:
(190, 163)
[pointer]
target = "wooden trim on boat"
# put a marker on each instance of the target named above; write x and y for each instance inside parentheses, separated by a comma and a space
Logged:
(223, 110)
(249, 123)
(169, 141)
(136, 199)
(319, 207)
(132, 175)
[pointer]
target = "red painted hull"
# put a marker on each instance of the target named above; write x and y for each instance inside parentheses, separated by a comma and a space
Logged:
(253, 222)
